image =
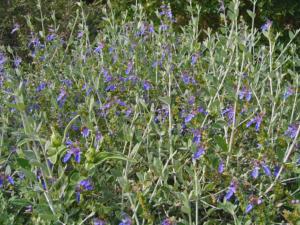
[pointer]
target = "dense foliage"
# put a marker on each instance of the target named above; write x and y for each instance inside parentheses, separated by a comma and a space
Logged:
(284, 14)
(147, 125)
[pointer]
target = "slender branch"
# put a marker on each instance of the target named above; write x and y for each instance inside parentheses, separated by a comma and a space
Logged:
(287, 155)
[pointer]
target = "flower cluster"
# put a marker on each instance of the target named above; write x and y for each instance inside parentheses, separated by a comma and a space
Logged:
(292, 130)
(126, 220)
(199, 152)
(84, 185)
(256, 120)
(229, 113)
(168, 221)
(253, 201)
(231, 190)
(266, 26)
(265, 167)
(74, 150)
(245, 93)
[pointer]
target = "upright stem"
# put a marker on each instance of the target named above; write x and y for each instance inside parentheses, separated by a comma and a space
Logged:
(196, 193)
(236, 95)
(296, 93)
(287, 155)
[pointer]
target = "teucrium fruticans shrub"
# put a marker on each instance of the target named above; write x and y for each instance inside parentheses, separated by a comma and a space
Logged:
(147, 125)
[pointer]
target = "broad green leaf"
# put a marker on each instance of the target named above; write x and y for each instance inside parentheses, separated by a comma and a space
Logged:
(221, 143)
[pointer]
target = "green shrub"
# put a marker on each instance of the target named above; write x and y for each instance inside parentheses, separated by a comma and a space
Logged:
(148, 125)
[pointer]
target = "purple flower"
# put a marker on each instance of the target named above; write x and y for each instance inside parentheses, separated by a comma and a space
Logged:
(183, 129)
(98, 138)
(73, 150)
(129, 67)
(133, 79)
(75, 126)
(231, 190)
(50, 37)
(290, 91)
(67, 82)
(84, 185)
(128, 112)
(62, 97)
(229, 113)
(169, 14)
(10, 180)
(50, 164)
(253, 201)
(194, 58)
(40, 178)
(257, 120)
(221, 167)
(80, 34)
(77, 193)
(41, 87)
(295, 201)
(2, 59)
(151, 28)
(255, 172)
(161, 114)
(106, 75)
(200, 151)
(17, 62)
(197, 136)
(163, 27)
(222, 7)
(245, 93)
(187, 79)
(155, 64)
(110, 88)
(120, 102)
(85, 132)
(166, 11)
(189, 117)
(142, 30)
(202, 110)
(259, 201)
(266, 26)
(298, 162)
(292, 130)
(126, 220)
(99, 48)
(1, 180)
(88, 90)
(146, 85)
(28, 209)
(167, 221)
(249, 208)
(15, 28)
(35, 42)
(97, 221)
(69, 143)
(276, 170)
(266, 169)
(42, 58)
(33, 54)
(191, 100)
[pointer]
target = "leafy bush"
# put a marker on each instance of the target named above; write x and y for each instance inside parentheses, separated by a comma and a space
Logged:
(146, 125)
(284, 14)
